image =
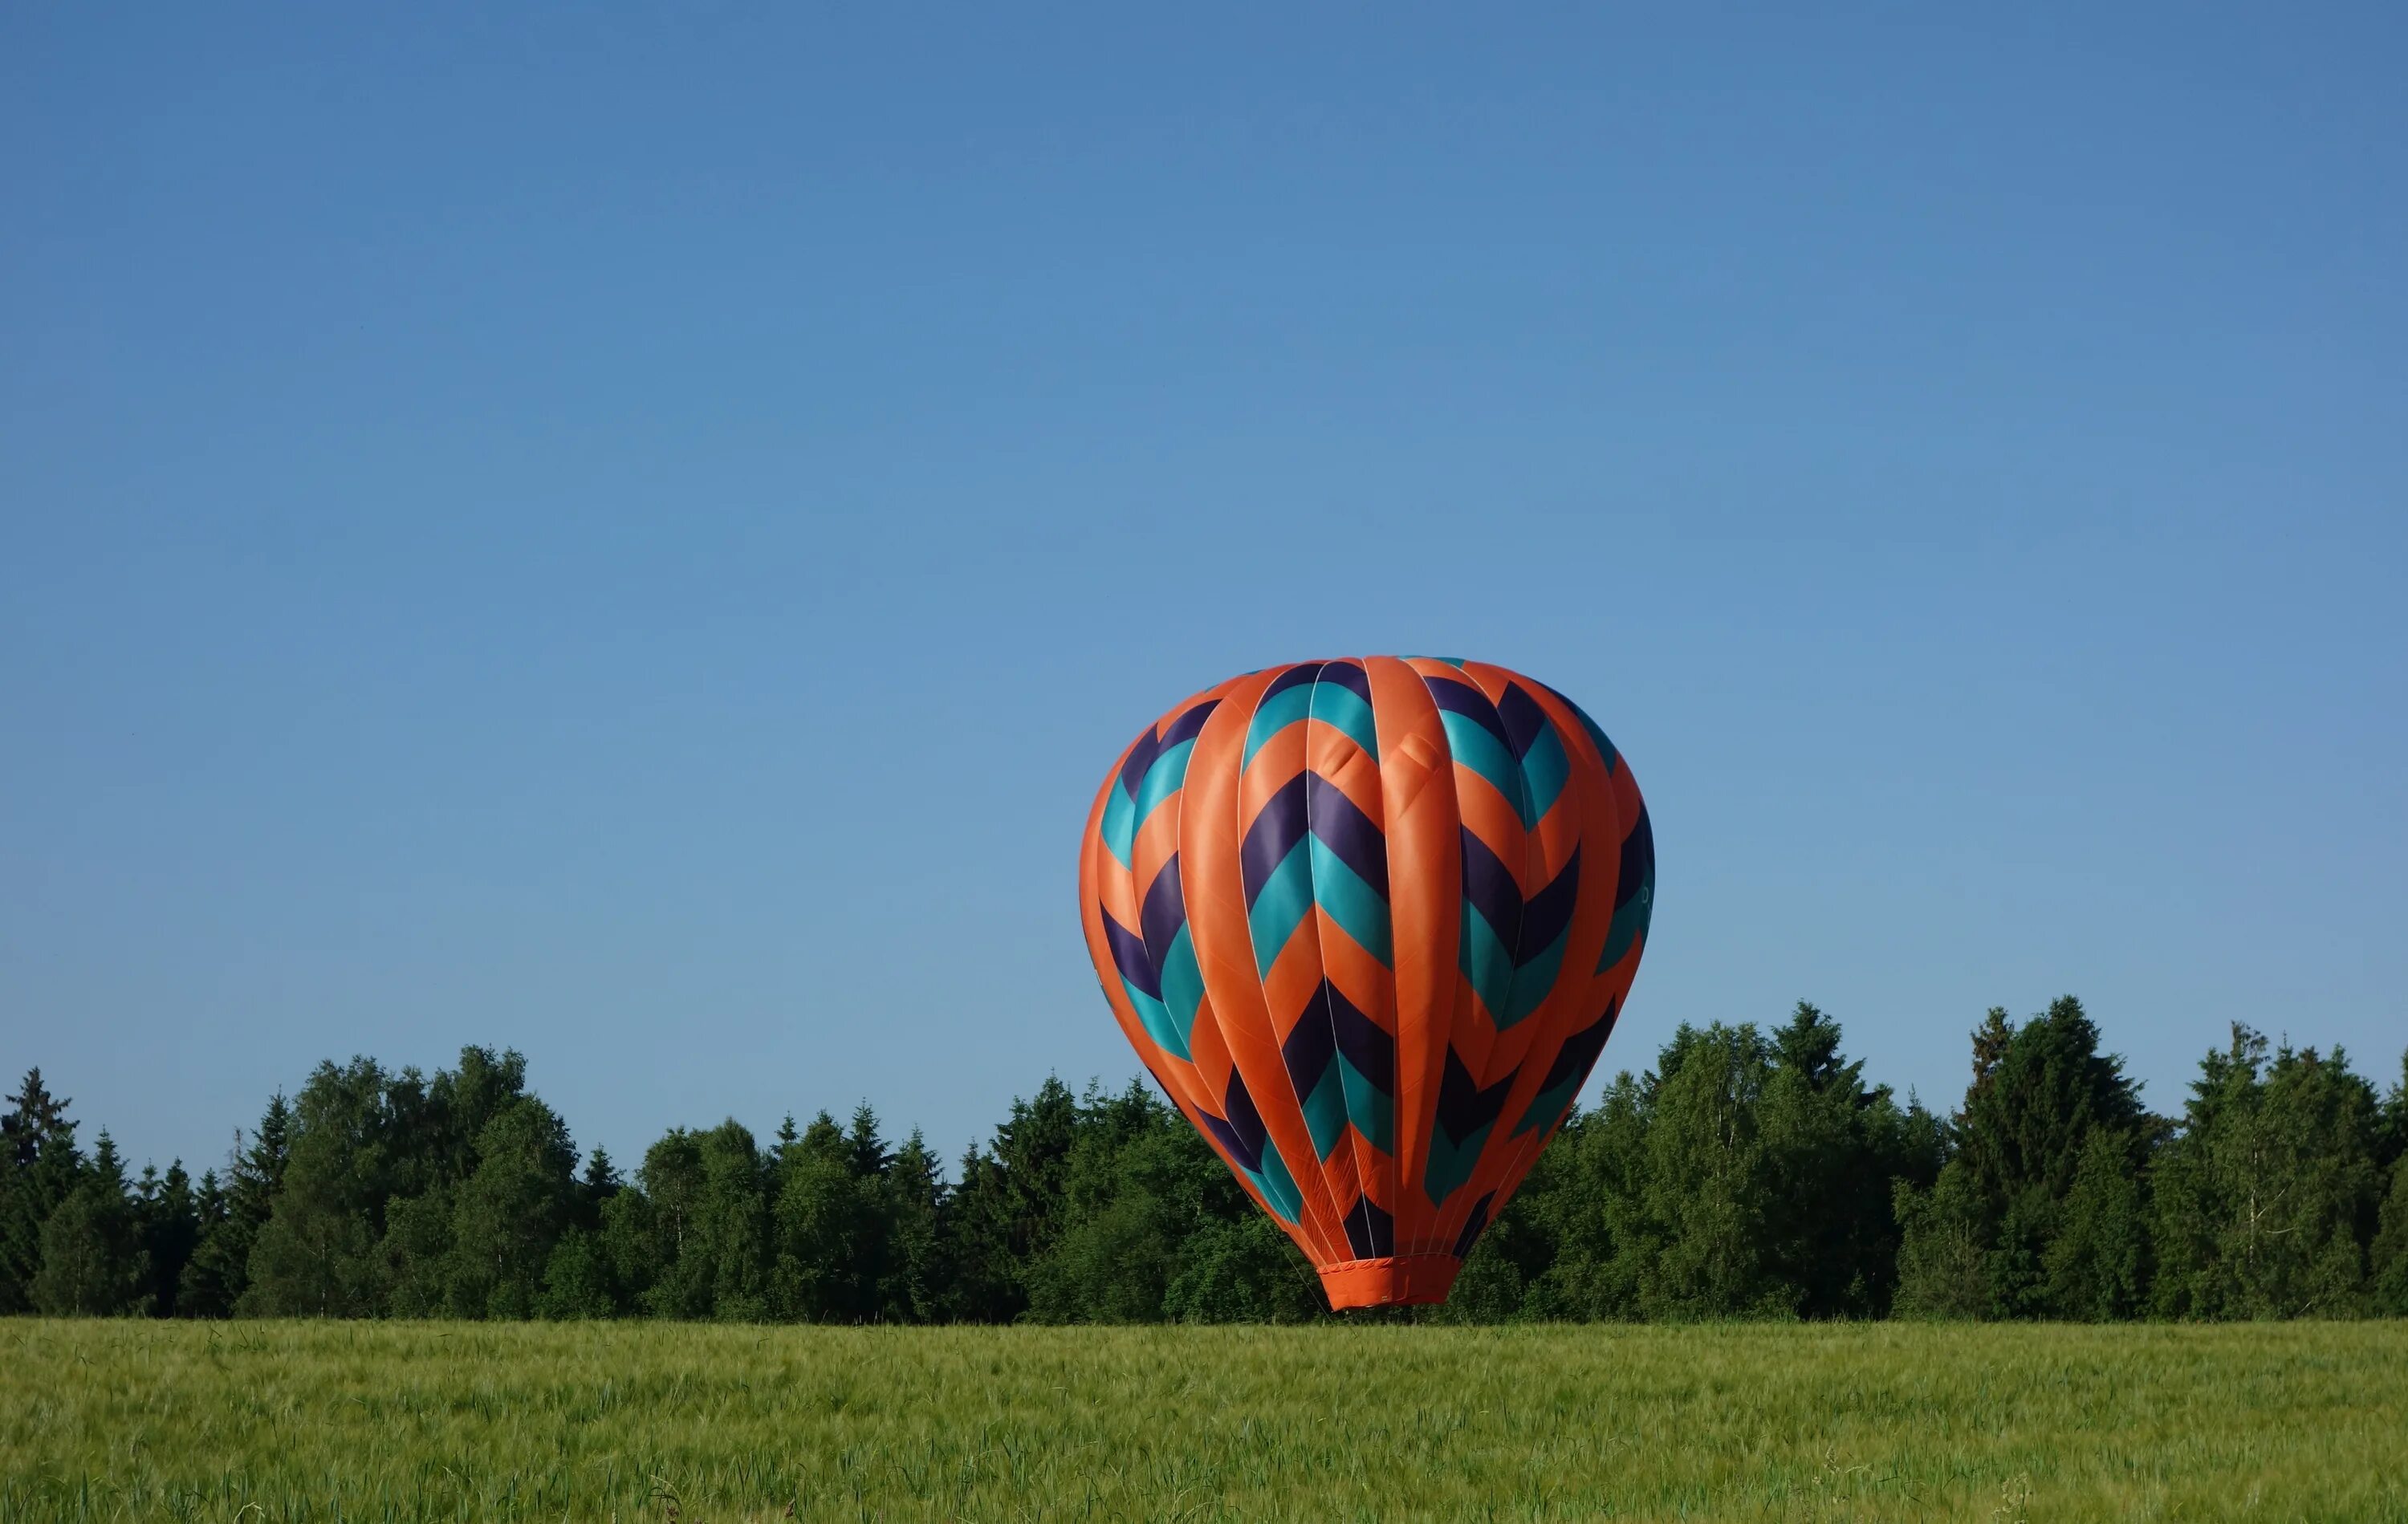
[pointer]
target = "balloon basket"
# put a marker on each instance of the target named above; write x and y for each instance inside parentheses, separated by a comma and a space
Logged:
(1390, 1281)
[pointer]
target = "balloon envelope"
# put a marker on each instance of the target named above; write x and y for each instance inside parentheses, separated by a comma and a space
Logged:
(1368, 922)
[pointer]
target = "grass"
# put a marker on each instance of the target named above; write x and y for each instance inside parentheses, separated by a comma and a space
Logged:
(278, 1422)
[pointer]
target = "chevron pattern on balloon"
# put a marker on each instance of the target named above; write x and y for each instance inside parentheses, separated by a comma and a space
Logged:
(1371, 921)
(1466, 1110)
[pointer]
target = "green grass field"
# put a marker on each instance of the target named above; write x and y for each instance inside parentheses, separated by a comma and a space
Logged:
(399, 1421)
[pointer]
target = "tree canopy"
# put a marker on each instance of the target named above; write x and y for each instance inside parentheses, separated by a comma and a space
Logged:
(1751, 1172)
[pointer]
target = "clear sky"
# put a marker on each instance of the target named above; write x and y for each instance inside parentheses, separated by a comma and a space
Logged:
(634, 531)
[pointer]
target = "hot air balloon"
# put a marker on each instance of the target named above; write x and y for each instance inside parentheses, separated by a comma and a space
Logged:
(1368, 922)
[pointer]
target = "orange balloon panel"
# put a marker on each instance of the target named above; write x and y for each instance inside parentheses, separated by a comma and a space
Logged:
(1368, 922)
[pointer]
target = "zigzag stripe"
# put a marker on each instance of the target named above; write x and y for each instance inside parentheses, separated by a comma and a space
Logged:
(1179, 981)
(1129, 957)
(1463, 1107)
(1465, 1113)
(1344, 871)
(1347, 831)
(1154, 770)
(1596, 732)
(1247, 1144)
(1288, 700)
(1272, 836)
(1141, 980)
(1564, 1076)
(1512, 951)
(1634, 892)
(1476, 734)
(1343, 1068)
(1370, 1232)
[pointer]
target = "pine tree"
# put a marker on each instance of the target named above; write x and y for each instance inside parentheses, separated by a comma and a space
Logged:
(2387, 1260)
(911, 1286)
(1007, 1212)
(2097, 1268)
(92, 1261)
(42, 1168)
(1835, 1145)
(197, 1294)
(169, 1225)
(818, 1228)
(2039, 1091)
(219, 1270)
(2266, 1200)
(984, 1284)
(598, 1185)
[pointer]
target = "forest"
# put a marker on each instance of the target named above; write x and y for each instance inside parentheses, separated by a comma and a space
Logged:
(1750, 1173)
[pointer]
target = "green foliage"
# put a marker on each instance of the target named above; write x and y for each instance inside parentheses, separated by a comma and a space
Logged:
(577, 1279)
(39, 1168)
(2268, 1196)
(2040, 1092)
(2097, 1268)
(1747, 1176)
(1244, 1270)
(1751, 1173)
(511, 1211)
(2388, 1288)
(315, 1254)
(220, 1270)
(818, 1223)
(691, 1239)
(1944, 1247)
(92, 1261)
(1151, 1209)
(1006, 1211)
(167, 1226)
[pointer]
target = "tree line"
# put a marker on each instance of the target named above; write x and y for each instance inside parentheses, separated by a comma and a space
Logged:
(1751, 1173)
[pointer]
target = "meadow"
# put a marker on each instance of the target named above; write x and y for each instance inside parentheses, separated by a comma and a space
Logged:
(394, 1422)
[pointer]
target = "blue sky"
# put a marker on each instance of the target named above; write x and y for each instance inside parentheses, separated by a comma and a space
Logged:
(632, 532)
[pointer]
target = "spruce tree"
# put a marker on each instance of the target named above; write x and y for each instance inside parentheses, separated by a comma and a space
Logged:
(817, 1233)
(92, 1261)
(597, 1184)
(169, 1223)
(911, 1286)
(1835, 1145)
(2039, 1092)
(1007, 1211)
(2266, 1200)
(2097, 1267)
(2387, 1266)
(219, 1270)
(42, 1169)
